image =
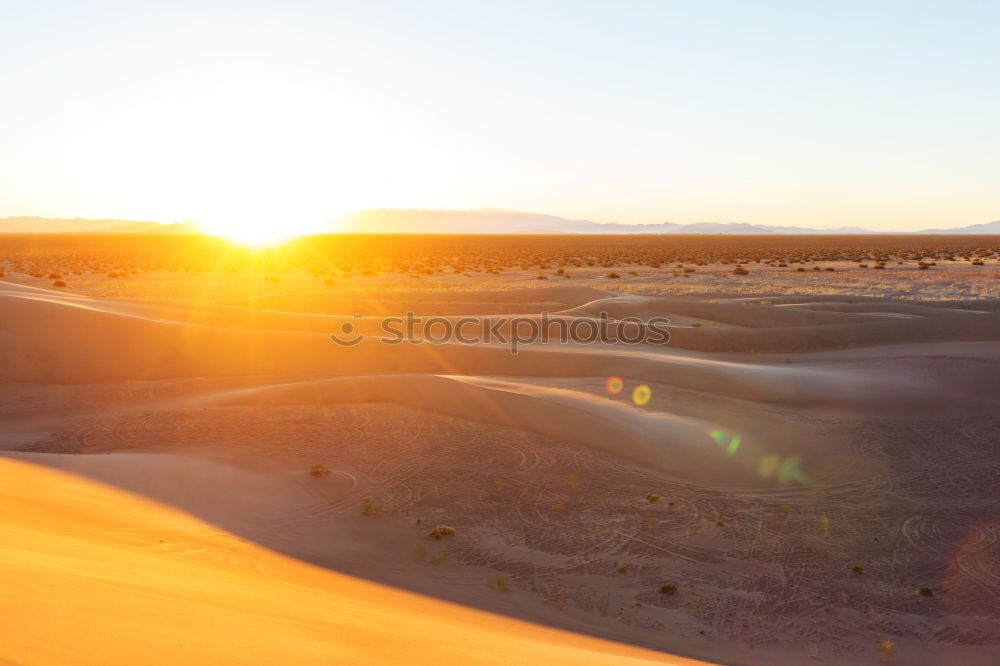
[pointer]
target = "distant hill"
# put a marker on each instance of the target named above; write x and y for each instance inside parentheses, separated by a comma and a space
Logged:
(79, 225)
(481, 221)
(986, 228)
(499, 221)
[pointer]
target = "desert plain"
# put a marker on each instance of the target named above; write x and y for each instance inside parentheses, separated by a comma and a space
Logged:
(194, 471)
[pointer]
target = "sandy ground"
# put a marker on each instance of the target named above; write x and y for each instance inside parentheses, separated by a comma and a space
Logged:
(789, 436)
(96, 576)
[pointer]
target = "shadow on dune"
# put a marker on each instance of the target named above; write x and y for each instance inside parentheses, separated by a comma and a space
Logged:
(705, 436)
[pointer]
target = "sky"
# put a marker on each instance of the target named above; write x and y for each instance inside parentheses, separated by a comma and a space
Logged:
(875, 113)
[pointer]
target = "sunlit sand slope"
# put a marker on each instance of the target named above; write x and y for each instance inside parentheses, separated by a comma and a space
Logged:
(92, 575)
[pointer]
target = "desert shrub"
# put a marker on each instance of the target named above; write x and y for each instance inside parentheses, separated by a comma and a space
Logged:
(541, 277)
(697, 324)
(925, 591)
(720, 523)
(800, 269)
(54, 275)
(857, 570)
(621, 568)
(652, 497)
(368, 507)
(59, 283)
(500, 583)
(887, 648)
(441, 531)
(612, 275)
(318, 470)
(668, 589)
(739, 270)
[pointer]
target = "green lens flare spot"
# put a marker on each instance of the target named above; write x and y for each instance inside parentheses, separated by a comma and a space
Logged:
(789, 471)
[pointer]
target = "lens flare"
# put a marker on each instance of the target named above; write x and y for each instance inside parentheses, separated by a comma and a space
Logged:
(614, 385)
(790, 471)
(768, 465)
(641, 394)
(733, 443)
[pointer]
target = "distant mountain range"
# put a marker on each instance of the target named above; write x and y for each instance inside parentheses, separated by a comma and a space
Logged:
(482, 221)
(79, 225)
(499, 221)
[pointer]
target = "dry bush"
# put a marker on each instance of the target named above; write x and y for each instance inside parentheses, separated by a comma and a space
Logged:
(668, 589)
(318, 470)
(441, 531)
(652, 497)
(887, 648)
(368, 507)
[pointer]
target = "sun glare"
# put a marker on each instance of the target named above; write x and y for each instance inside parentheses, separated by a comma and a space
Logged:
(258, 229)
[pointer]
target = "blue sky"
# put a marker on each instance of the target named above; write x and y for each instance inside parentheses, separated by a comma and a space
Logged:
(880, 114)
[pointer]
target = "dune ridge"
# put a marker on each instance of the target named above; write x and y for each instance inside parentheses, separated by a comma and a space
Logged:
(779, 441)
(93, 565)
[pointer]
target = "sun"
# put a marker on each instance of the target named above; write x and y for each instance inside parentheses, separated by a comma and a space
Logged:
(259, 228)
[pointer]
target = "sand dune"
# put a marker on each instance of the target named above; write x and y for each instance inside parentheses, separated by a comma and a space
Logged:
(92, 565)
(786, 439)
